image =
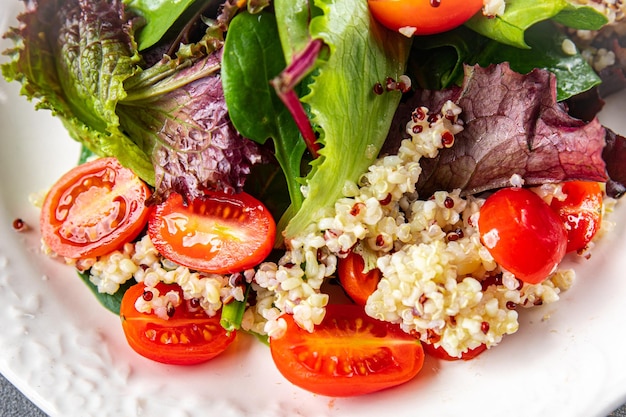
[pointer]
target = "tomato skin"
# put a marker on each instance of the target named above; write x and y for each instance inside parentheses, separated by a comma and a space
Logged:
(348, 354)
(522, 233)
(227, 233)
(145, 332)
(358, 285)
(423, 15)
(440, 353)
(94, 209)
(581, 212)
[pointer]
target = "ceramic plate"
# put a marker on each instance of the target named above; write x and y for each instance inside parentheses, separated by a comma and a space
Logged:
(69, 356)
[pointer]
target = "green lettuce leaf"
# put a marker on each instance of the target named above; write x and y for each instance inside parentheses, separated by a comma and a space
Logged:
(80, 77)
(342, 101)
(519, 15)
(438, 60)
(252, 57)
(160, 15)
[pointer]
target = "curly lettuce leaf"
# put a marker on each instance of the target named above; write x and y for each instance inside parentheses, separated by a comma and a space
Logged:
(342, 101)
(74, 62)
(167, 122)
(519, 15)
(512, 125)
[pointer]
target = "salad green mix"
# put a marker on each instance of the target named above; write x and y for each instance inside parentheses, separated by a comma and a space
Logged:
(291, 100)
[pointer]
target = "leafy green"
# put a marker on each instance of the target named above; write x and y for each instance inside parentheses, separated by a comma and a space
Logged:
(519, 15)
(341, 98)
(111, 302)
(61, 76)
(252, 57)
(166, 121)
(439, 61)
(160, 15)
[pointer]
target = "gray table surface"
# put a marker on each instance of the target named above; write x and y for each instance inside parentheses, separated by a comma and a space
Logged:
(14, 404)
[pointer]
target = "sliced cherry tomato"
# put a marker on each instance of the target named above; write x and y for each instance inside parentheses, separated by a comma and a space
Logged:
(522, 233)
(581, 212)
(439, 352)
(94, 209)
(217, 233)
(187, 337)
(348, 354)
(425, 16)
(357, 284)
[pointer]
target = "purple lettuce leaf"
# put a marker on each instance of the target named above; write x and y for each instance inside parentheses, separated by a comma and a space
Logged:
(615, 156)
(165, 119)
(512, 125)
(194, 144)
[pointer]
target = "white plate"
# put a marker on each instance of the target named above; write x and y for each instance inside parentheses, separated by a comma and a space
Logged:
(69, 356)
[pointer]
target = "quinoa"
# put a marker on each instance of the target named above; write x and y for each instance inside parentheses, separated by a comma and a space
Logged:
(438, 281)
(447, 291)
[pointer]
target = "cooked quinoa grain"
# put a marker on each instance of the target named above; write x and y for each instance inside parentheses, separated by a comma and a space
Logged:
(438, 281)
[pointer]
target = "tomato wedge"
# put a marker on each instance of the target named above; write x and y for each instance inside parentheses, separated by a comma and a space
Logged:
(522, 233)
(426, 17)
(217, 233)
(581, 212)
(348, 354)
(357, 284)
(440, 353)
(94, 209)
(186, 338)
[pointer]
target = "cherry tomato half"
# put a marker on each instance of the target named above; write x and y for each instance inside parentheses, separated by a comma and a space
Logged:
(217, 233)
(186, 338)
(581, 212)
(94, 209)
(358, 285)
(522, 233)
(426, 16)
(440, 353)
(348, 354)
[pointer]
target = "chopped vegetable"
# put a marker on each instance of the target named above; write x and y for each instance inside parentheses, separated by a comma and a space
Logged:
(348, 354)
(423, 17)
(94, 209)
(522, 233)
(357, 282)
(217, 233)
(580, 211)
(169, 329)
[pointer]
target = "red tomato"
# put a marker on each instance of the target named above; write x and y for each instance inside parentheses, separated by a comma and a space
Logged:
(348, 354)
(439, 352)
(522, 233)
(581, 212)
(358, 285)
(217, 233)
(426, 16)
(186, 338)
(94, 209)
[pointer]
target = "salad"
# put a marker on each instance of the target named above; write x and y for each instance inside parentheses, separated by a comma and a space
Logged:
(252, 155)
